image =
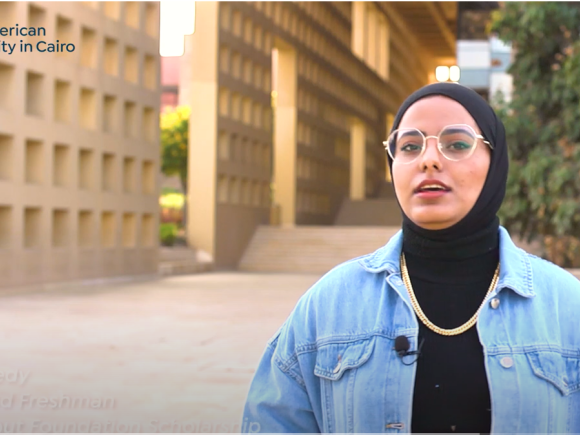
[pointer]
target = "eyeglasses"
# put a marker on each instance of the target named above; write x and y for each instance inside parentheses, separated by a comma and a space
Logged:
(455, 142)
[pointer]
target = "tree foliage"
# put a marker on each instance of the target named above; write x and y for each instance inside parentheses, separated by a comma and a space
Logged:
(174, 143)
(543, 125)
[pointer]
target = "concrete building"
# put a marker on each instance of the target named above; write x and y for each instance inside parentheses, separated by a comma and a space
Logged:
(482, 58)
(79, 152)
(290, 104)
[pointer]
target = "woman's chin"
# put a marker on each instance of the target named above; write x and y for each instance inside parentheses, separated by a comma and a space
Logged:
(434, 221)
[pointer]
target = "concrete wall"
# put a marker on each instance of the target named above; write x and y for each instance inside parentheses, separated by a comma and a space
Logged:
(79, 151)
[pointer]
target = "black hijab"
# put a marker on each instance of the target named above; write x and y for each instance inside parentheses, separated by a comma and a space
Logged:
(484, 212)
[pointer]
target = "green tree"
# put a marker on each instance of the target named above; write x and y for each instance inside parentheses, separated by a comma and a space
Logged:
(174, 124)
(543, 125)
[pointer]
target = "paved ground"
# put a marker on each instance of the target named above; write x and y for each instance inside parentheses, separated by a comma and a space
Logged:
(174, 355)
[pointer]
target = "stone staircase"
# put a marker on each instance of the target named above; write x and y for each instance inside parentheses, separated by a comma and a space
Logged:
(311, 249)
(181, 260)
(317, 249)
(374, 212)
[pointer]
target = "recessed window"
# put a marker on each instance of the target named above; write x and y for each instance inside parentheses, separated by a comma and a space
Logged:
(237, 23)
(60, 228)
(62, 101)
(111, 54)
(223, 186)
(88, 109)
(64, 32)
(110, 114)
(131, 65)
(6, 86)
(129, 230)
(129, 175)
(88, 48)
(36, 19)
(149, 124)
(32, 227)
(108, 229)
(130, 119)
(150, 72)
(148, 230)
(7, 14)
(224, 102)
(86, 227)
(34, 94)
(34, 168)
(112, 10)
(5, 227)
(86, 169)
(61, 165)
(152, 19)
(224, 145)
(6, 154)
(132, 17)
(108, 172)
(148, 178)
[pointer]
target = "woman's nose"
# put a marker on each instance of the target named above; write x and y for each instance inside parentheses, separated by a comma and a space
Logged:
(431, 156)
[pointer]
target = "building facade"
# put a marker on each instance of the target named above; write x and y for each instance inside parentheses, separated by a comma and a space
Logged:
(483, 59)
(79, 151)
(290, 104)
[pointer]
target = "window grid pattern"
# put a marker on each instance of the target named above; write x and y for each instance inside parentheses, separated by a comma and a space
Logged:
(86, 187)
(245, 114)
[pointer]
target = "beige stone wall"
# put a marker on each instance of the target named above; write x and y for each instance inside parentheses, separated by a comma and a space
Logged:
(79, 152)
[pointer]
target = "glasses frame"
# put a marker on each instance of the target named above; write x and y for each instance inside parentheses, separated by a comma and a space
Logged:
(439, 145)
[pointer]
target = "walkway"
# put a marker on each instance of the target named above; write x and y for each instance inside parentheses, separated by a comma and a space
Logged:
(173, 355)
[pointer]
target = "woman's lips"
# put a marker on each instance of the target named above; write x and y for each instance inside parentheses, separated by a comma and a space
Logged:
(431, 194)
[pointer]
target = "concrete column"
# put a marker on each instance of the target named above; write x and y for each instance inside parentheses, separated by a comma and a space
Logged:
(284, 71)
(372, 39)
(357, 160)
(198, 89)
(358, 29)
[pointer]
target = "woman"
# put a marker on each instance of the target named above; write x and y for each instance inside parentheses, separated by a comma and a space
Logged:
(449, 327)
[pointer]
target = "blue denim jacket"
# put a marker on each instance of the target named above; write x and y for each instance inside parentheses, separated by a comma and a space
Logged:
(332, 366)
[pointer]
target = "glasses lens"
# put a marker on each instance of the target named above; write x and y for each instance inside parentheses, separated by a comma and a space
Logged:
(405, 145)
(457, 142)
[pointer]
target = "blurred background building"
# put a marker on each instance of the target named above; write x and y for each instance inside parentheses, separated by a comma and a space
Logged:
(79, 144)
(482, 58)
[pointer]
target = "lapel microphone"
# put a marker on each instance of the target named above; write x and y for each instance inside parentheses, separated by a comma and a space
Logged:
(402, 346)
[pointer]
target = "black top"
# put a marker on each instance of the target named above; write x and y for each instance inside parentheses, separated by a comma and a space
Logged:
(450, 280)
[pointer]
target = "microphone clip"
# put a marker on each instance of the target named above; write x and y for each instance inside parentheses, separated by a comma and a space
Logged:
(402, 353)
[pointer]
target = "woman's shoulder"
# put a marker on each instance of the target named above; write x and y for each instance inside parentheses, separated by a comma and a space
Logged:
(547, 276)
(535, 274)
(326, 309)
(346, 280)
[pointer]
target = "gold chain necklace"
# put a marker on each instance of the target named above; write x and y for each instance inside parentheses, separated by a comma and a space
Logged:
(455, 331)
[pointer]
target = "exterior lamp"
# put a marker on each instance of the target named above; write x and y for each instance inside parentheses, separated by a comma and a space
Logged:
(442, 73)
(454, 73)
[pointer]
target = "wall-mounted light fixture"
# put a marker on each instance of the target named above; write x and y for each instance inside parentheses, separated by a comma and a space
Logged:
(454, 73)
(447, 73)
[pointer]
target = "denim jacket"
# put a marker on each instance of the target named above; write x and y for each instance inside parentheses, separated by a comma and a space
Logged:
(332, 366)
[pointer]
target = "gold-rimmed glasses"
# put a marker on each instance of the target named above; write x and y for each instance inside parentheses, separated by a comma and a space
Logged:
(455, 142)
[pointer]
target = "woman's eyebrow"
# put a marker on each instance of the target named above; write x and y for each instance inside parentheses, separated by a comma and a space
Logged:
(412, 132)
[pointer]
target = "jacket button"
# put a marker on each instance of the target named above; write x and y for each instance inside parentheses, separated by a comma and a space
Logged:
(494, 303)
(506, 362)
(337, 368)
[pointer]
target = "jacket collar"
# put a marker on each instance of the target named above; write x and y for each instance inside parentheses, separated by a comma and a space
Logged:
(515, 267)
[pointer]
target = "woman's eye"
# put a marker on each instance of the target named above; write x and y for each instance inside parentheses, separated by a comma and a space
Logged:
(458, 146)
(410, 147)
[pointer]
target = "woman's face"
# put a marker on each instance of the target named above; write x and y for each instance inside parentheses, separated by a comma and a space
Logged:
(463, 179)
